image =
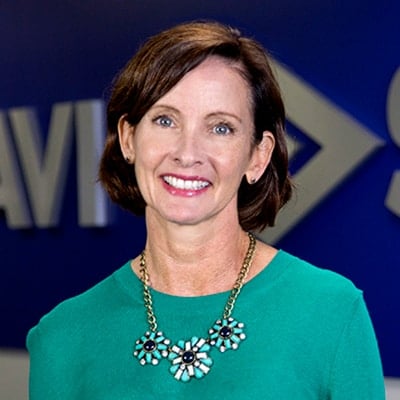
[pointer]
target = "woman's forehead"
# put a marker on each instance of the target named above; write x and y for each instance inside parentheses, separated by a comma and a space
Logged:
(215, 83)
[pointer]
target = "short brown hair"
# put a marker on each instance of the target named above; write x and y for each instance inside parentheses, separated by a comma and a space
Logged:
(155, 69)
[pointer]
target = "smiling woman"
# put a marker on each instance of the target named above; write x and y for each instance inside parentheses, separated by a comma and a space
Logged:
(196, 144)
(157, 68)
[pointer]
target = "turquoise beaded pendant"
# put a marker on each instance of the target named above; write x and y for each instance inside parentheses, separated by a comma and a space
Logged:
(151, 347)
(226, 334)
(190, 359)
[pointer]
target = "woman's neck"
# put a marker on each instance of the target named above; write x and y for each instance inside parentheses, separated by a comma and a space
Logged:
(193, 261)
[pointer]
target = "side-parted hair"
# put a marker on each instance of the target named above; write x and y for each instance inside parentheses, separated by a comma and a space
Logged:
(155, 69)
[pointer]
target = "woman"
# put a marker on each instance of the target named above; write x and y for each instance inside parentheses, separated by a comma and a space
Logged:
(196, 144)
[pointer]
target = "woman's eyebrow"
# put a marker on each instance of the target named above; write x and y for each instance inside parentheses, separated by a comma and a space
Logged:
(164, 107)
(225, 114)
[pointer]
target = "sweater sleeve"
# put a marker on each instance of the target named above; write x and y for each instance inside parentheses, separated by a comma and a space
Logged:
(357, 371)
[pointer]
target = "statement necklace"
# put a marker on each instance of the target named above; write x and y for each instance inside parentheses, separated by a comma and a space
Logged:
(190, 358)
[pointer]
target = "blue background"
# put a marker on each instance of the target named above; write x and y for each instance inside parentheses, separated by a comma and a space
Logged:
(66, 51)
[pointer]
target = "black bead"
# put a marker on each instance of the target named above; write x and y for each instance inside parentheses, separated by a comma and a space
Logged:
(188, 357)
(225, 332)
(149, 345)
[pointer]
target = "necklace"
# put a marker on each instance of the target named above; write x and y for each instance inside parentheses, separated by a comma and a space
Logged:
(190, 358)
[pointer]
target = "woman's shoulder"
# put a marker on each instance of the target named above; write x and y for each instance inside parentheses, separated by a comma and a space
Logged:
(316, 281)
(288, 273)
(297, 290)
(71, 313)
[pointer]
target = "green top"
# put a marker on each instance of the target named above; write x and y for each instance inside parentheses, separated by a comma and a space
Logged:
(309, 336)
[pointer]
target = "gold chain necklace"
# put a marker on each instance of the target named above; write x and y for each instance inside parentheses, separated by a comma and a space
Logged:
(190, 359)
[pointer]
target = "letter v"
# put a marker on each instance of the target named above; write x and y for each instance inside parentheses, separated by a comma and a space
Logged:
(44, 171)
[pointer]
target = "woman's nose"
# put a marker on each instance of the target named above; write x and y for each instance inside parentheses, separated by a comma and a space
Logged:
(188, 149)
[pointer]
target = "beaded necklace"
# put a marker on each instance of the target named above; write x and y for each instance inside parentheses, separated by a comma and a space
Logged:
(190, 358)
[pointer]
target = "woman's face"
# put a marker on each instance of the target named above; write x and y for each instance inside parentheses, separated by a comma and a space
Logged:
(194, 145)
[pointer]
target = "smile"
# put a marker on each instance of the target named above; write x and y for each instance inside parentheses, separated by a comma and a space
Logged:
(185, 184)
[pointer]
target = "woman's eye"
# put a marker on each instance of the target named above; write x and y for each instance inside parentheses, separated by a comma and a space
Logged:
(163, 121)
(222, 129)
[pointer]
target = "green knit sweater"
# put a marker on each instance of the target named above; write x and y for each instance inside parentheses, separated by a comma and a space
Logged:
(309, 336)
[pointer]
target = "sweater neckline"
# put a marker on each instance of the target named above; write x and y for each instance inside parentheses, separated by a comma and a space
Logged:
(132, 285)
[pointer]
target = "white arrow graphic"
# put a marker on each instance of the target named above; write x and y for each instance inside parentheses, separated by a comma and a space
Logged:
(344, 142)
(392, 200)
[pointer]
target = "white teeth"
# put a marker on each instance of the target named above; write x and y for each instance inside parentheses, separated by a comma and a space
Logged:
(185, 184)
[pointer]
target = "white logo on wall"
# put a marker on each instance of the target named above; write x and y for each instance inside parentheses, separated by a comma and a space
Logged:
(45, 172)
(344, 145)
(32, 180)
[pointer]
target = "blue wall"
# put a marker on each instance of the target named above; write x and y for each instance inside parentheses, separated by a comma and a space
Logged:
(349, 52)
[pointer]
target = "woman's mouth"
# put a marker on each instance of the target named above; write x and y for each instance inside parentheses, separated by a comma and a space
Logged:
(185, 184)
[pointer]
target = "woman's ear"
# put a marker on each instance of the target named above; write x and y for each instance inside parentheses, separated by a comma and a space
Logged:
(125, 135)
(260, 157)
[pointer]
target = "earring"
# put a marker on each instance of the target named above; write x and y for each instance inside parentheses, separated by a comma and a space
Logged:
(128, 160)
(251, 180)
